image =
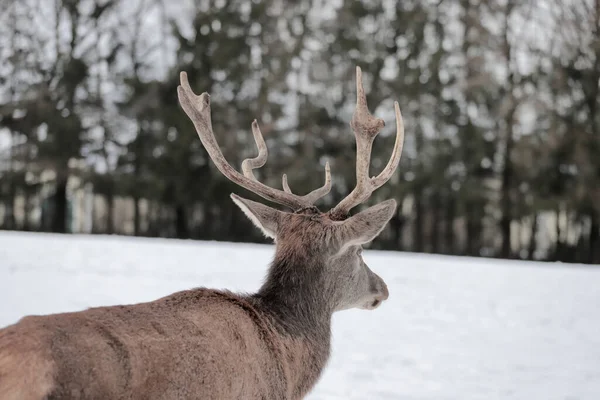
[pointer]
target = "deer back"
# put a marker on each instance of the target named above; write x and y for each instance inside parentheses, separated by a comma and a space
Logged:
(194, 344)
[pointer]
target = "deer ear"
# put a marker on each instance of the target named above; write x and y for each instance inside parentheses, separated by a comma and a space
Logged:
(264, 217)
(367, 225)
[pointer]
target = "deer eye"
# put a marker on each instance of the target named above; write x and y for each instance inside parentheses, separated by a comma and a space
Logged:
(359, 251)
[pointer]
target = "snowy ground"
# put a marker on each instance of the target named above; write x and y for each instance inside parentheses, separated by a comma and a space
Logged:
(453, 328)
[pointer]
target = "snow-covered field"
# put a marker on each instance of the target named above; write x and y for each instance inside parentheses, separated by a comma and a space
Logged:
(453, 328)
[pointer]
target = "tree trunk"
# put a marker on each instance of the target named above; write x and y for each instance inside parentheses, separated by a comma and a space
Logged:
(152, 219)
(505, 252)
(138, 143)
(136, 216)
(558, 247)
(181, 226)
(474, 229)
(9, 214)
(507, 178)
(205, 228)
(471, 246)
(418, 228)
(449, 225)
(507, 172)
(110, 213)
(532, 240)
(26, 208)
(594, 249)
(396, 224)
(435, 223)
(59, 217)
(229, 224)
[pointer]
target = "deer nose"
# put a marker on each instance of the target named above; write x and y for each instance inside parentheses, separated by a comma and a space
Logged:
(384, 292)
(380, 291)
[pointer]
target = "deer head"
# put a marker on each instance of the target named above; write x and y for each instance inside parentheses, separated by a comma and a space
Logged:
(318, 255)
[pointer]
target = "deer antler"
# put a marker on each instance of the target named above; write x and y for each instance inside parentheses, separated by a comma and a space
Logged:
(197, 109)
(316, 194)
(365, 128)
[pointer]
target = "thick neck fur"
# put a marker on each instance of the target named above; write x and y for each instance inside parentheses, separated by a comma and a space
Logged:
(293, 296)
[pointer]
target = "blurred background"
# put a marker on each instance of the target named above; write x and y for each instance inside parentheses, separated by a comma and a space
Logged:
(500, 98)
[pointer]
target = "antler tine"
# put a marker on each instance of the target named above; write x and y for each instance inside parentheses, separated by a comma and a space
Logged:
(392, 164)
(252, 163)
(316, 194)
(366, 128)
(286, 187)
(197, 109)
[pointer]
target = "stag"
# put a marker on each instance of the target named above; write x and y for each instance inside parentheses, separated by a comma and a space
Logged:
(212, 344)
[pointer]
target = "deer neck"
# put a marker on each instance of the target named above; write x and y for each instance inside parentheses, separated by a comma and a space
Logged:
(294, 294)
(294, 300)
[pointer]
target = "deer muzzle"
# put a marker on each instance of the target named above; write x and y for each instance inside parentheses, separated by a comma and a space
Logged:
(379, 291)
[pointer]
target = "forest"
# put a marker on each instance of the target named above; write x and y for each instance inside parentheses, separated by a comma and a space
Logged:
(500, 99)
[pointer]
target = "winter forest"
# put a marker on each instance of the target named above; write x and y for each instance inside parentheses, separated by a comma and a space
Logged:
(500, 99)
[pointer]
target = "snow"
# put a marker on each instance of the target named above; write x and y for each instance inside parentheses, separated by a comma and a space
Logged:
(453, 328)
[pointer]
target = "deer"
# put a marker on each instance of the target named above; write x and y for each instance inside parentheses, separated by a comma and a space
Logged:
(205, 343)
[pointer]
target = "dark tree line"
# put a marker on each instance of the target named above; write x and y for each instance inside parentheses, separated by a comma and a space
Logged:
(500, 98)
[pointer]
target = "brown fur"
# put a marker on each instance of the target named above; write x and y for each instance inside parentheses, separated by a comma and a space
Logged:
(26, 368)
(203, 343)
